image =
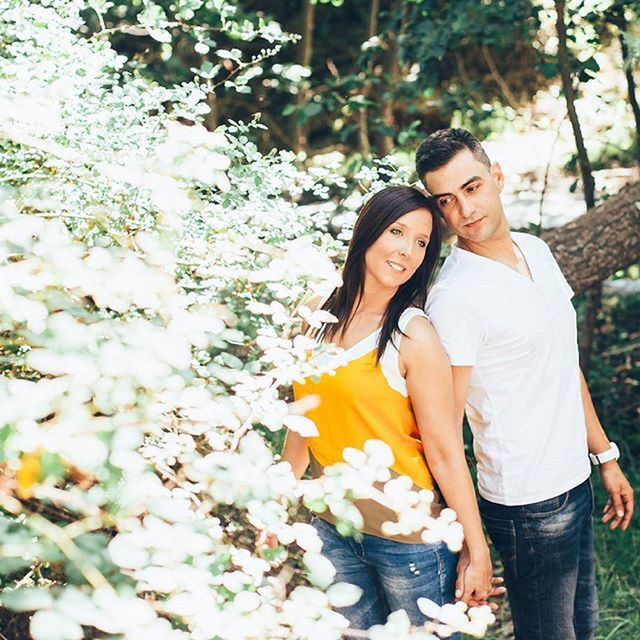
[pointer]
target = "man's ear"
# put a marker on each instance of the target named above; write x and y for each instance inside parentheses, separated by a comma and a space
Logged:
(497, 174)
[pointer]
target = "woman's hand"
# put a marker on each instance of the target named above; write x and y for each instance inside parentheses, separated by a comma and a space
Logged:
(475, 583)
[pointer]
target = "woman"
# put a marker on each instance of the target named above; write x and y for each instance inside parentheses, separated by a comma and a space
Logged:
(396, 387)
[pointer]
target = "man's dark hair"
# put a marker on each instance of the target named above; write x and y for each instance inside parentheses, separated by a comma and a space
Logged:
(442, 145)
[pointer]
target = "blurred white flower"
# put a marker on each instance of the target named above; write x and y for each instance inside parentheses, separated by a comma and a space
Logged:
(301, 425)
(321, 570)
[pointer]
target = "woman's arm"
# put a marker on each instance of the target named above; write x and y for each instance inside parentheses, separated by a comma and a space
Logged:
(430, 387)
(296, 453)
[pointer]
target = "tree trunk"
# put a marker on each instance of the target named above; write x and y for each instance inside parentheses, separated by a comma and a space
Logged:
(363, 114)
(588, 183)
(300, 128)
(211, 119)
(601, 242)
(631, 83)
(392, 70)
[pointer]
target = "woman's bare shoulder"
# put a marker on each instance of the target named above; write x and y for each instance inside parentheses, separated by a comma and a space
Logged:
(420, 329)
(421, 340)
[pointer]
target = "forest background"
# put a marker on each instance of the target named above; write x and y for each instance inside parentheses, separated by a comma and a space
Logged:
(346, 90)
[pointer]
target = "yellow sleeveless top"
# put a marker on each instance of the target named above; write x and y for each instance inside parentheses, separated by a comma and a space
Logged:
(361, 401)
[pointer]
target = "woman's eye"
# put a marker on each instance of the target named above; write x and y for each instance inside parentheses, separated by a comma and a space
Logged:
(396, 231)
(422, 243)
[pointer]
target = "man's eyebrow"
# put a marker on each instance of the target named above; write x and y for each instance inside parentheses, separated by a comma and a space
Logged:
(466, 184)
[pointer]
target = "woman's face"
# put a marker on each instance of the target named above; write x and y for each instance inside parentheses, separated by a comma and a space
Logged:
(394, 257)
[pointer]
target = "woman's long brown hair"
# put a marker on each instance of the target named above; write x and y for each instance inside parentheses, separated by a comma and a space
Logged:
(380, 211)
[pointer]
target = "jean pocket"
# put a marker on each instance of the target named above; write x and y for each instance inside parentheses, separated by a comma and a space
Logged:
(502, 533)
(546, 508)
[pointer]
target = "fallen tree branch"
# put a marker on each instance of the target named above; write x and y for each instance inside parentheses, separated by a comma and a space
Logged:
(600, 242)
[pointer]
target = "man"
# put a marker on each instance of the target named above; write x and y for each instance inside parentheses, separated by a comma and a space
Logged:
(502, 310)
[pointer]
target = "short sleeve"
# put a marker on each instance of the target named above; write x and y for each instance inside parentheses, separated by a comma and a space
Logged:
(457, 324)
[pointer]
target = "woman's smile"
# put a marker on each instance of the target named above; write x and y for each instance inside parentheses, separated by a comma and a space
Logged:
(396, 267)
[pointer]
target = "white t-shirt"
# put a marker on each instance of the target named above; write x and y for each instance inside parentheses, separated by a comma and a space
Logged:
(524, 404)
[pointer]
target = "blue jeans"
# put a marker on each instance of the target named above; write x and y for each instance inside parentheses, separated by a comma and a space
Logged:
(547, 552)
(392, 575)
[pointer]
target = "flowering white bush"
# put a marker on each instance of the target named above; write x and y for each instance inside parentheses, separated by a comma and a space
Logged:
(149, 273)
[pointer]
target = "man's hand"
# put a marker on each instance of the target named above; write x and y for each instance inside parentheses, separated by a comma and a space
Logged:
(475, 584)
(619, 507)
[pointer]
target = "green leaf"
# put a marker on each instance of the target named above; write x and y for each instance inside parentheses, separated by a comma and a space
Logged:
(26, 599)
(4, 436)
(234, 54)
(230, 360)
(312, 109)
(317, 505)
(100, 6)
(233, 336)
(51, 465)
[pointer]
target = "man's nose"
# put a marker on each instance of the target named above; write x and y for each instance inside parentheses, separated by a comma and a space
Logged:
(467, 207)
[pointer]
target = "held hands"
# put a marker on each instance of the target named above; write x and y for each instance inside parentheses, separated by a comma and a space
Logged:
(475, 583)
(619, 507)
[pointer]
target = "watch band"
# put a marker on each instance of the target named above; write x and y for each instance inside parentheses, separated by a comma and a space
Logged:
(612, 453)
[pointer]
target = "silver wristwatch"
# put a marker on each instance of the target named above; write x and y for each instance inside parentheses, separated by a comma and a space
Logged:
(612, 453)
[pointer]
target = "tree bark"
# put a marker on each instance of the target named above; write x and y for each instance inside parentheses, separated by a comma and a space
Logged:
(588, 183)
(300, 129)
(601, 242)
(631, 83)
(392, 70)
(363, 114)
(211, 119)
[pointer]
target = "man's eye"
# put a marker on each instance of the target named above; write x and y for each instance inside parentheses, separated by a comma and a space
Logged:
(444, 202)
(472, 188)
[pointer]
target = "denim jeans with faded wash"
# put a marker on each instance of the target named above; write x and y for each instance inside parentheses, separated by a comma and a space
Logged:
(547, 552)
(391, 574)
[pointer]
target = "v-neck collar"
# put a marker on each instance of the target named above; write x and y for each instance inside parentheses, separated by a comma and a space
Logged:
(465, 254)
(357, 346)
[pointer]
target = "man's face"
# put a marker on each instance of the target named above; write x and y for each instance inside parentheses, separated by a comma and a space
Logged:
(468, 194)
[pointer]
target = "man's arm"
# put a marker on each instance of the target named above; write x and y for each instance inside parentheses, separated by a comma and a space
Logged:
(461, 377)
(619, 507)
